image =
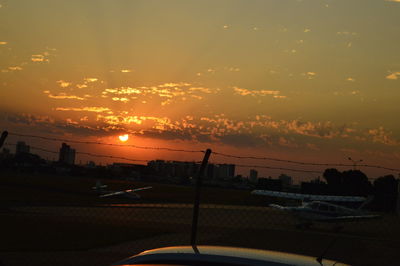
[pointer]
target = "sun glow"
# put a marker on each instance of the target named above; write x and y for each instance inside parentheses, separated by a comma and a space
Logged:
(123, 138)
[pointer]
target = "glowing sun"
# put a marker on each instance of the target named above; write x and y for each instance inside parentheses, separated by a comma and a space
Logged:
(123, 138)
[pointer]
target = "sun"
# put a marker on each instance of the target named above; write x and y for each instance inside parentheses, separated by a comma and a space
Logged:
(123, 138)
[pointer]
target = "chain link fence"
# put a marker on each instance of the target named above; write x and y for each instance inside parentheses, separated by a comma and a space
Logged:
(62, 221)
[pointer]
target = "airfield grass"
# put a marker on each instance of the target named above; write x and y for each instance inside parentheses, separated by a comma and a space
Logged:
(30, 231)
(44, 233)
(49, 189)
(26, 229)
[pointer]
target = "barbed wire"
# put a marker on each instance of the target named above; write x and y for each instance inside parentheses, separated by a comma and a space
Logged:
(278, 168)
(302, 163)
(202, 151)
(106, 144)
(87, 153)
(198, 162)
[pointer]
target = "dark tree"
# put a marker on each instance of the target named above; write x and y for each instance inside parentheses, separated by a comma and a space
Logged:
(385, 191)
(352, 182)
(334, 179)
(356, 183)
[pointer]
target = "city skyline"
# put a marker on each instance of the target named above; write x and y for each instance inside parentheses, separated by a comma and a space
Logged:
(314, 81)
(228, 171)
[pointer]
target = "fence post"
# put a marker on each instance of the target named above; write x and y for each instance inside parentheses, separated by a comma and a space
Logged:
(3, 138)
(197, 197)
(398, 196)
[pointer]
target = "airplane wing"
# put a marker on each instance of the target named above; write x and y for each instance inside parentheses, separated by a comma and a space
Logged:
(115, 193)
(139, 189)
(309, 197)
(278, 207)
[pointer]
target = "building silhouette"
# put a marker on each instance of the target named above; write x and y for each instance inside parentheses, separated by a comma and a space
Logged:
(22, 148)
(66, 155)
(224, 171)
(253, 176)
(286, 180)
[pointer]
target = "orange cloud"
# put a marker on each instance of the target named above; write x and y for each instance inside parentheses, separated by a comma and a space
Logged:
(64, 84)
(245, 92)
(84, 109)
(62, 96)
(393, 76)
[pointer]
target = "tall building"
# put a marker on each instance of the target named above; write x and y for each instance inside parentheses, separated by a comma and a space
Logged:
(22, 148)
(225, 171)
(66, 155)
(286, 180)
(253, 176)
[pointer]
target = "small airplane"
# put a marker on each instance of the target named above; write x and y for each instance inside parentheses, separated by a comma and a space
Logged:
(128, 193)
(317, 208)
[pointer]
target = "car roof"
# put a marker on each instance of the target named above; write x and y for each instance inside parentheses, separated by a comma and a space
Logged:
(220, 255)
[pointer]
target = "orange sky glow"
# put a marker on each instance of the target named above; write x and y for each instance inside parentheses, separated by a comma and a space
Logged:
(313, 81)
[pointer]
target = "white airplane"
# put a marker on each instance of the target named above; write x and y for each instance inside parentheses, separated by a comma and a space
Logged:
(316, 208)
(128, 193)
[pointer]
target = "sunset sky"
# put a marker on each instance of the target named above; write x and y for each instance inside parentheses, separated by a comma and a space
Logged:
(308, 80)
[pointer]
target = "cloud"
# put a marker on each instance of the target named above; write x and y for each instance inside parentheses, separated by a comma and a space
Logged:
(84, 109)
(15, 68)
(43, 57)
(124, 100)
(166, 93)
(90, 79)
(40, 57)
(63, 83)
(397, 1)
(122, 91)
(81, 86)
(126, 70)
(255, 131)
(383, 136)
(3, 43)
(246, 92)
(63, 96)
(350, 79)
(172, 85)
(309, 75)
(393, 76)
(29, 119)
(233, 69)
